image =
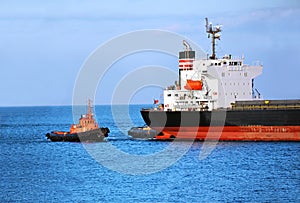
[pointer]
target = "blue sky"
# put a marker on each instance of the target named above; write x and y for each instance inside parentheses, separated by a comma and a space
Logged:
(43, 44)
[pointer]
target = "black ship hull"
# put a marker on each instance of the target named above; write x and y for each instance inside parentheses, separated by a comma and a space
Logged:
(255, 124)
(228, 118)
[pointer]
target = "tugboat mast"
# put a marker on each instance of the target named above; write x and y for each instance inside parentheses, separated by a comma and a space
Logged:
(89, 111)
(213, 33)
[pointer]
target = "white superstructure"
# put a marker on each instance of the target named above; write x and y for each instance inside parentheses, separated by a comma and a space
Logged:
(211, 83)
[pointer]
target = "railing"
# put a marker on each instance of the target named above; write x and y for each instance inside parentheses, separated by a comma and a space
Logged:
(256, 63)
(265, 107)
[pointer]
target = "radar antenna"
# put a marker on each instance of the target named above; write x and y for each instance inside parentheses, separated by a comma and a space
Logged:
(213, 33)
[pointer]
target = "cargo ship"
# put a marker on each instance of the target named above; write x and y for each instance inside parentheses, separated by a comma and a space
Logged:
(216, 99)
(87, 130)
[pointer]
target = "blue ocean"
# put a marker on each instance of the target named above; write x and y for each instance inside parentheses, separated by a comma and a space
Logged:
(34, 169)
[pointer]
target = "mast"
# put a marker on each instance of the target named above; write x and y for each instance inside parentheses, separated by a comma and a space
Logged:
(89, 112)
(213, 33)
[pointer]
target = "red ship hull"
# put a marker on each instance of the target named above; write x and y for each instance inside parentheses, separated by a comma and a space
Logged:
(231, 133)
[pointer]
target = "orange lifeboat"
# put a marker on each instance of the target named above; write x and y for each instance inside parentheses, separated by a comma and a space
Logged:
(193, 85)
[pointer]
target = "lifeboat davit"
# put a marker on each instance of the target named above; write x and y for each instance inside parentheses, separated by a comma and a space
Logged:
(193, 85)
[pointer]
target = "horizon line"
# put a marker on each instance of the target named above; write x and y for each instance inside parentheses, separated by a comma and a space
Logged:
(55, 105)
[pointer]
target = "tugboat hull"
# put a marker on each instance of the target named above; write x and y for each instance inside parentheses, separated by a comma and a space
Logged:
(97, 135)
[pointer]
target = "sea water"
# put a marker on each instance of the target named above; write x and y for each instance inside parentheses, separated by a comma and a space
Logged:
(34, 169)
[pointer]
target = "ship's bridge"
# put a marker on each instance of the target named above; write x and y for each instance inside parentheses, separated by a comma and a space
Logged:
(227, 60)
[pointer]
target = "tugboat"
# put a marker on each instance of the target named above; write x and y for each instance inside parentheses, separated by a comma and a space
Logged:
(86, 131)
(143, 132)
(215, 99)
